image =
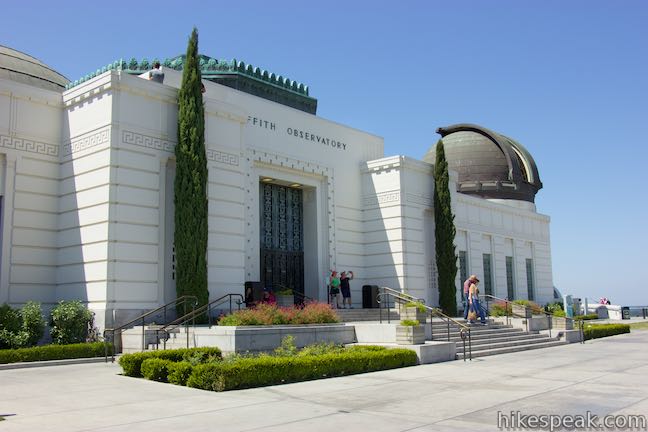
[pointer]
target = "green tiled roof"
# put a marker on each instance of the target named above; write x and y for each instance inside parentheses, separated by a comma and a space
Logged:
(209, 67)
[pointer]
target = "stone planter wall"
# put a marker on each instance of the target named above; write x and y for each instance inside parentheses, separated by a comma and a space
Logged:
(520, 311)
(410, 335)
(412, 313)
(562, 323)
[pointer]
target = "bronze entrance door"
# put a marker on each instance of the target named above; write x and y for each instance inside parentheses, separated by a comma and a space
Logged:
(282, 243)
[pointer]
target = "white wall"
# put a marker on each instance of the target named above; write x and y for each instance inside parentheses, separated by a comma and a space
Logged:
(30, 138)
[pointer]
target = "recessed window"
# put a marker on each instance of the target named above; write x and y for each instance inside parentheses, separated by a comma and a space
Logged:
(488, 274)
(510, 288)
(530, 281)
(463, 270)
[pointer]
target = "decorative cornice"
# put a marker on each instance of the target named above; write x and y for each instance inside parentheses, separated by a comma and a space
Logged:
(138, 139)
(30, 146)
(87, 141)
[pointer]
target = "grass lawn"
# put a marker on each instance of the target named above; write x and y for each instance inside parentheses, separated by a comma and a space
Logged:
(639, 326)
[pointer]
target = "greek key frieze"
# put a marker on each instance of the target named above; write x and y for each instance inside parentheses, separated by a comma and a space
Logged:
(29, 145)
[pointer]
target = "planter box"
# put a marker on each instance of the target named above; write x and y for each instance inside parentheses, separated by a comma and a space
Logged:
(412, 313)
(410, 335)
(286, 300)
(562, 323)
(520, 311)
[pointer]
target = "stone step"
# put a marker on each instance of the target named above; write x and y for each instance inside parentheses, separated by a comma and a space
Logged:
(500, 337)
(485, 344)
(504, 350)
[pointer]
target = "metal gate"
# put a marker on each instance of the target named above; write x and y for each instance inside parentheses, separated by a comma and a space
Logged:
(282, 242)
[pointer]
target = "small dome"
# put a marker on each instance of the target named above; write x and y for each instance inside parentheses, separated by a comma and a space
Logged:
(23, 68)
(490, 165)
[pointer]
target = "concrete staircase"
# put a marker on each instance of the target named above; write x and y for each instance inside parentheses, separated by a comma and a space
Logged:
(356, 315)
(494, 338)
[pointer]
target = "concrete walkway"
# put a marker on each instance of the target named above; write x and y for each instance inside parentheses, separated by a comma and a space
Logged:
(606, 376)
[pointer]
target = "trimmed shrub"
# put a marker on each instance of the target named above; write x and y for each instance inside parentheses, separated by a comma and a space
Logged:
(268, 370)
(410, 323)
(54, 352)
(586, 317)
(179, 372)
(71, 322)
(155, 369)
(553, 307)
(33, 322)
(132, 363)
(20, 328)
(595, 331)
(418, 305)
(267, 314)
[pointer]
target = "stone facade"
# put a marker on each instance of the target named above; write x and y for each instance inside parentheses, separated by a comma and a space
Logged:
(87, 199)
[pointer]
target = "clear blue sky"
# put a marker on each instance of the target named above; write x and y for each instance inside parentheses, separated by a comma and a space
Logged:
(568, 79)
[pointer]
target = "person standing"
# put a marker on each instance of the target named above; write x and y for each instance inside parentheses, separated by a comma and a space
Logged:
(334, 283)
(156, 74)
(473, 299)
(345, 277)
(466, 293)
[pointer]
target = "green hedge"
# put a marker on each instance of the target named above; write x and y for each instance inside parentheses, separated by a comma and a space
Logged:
(586, 317)
(594, 331)
(179, 372)
(132, 363)
(156, 369)
(53, 352)
(267, 370)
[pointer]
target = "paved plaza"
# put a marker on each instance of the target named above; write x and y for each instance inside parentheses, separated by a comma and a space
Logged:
(605, 376)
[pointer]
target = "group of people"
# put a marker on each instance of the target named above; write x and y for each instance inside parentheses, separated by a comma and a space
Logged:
(340, 285)
(472, 305)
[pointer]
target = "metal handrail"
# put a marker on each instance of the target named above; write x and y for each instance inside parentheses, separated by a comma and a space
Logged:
(142, 318)
(464, 330)
(509, 311)
(579, 322)
(191, 317)
(402, 294)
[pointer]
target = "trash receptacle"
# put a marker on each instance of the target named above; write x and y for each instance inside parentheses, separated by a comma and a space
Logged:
(625, 312)
(370, 296)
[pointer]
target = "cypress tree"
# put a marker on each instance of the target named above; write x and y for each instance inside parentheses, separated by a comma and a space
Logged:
(444, 234)
(191, 182)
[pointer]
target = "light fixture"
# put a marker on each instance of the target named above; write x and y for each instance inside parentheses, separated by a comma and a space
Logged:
(295, 185)
(267, 179)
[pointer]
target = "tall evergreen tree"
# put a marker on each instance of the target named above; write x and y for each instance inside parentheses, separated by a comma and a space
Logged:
(444, 234)
(191, 182)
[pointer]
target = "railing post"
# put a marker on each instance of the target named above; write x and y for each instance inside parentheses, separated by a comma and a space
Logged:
(187, 331)
(448, 321)
(463, 339)
(431, 325)
(550, 324)
(143, 335)
(469, 344)
(112, 359)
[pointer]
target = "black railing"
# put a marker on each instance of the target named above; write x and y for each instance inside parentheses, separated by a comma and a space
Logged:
(190, 318)
(402, 298)
(180, 302)
(528, 313)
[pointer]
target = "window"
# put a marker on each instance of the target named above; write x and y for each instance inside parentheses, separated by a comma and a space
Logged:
(488, 275)
(510, 288)
(529, 272)
(463, 270)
